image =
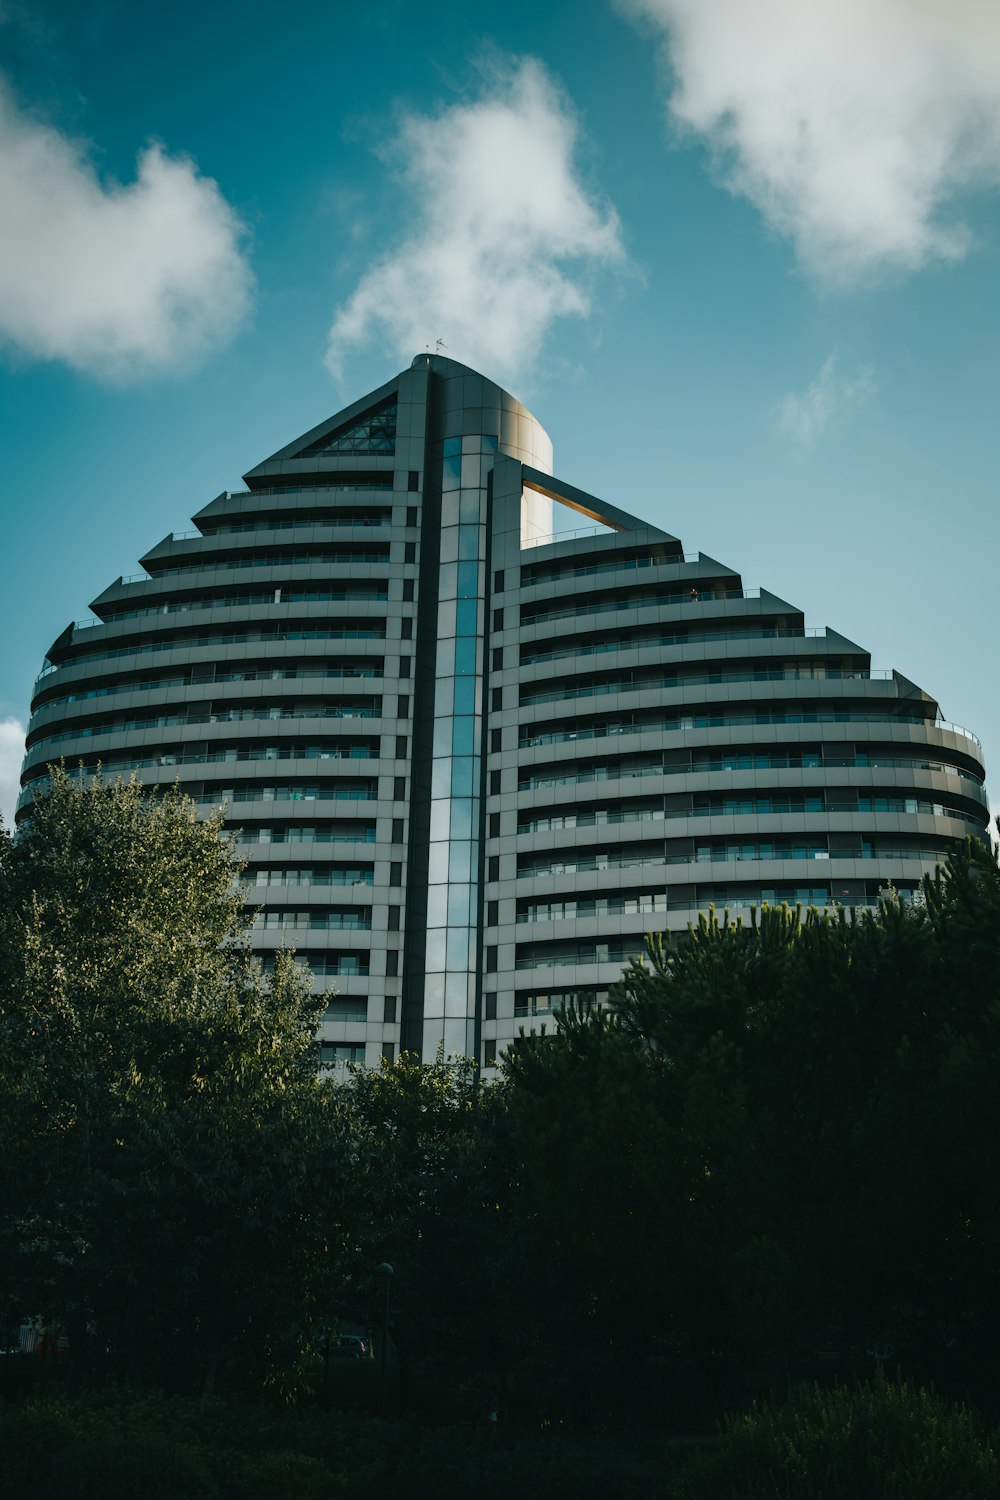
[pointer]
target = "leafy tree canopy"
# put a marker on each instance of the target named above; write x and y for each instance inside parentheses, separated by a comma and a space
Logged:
(166, 1120)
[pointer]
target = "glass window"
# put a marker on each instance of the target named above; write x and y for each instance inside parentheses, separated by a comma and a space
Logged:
(466, 616)
(460, 860)
(437, 862)
(450, 508)
(463, 770)
(465, 656)
(440, 812)
(446, 619)
(468, 580)
(437, 905)
(458, 949)
(443, 729)
(461, 818)
(470, 542)
(435, 956)
(441, 776)
(465, 695)
(463, 739)
(451, 473)
(444, 665)
(460, 906)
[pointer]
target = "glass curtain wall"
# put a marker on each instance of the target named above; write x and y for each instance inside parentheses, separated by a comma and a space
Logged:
(453, 896)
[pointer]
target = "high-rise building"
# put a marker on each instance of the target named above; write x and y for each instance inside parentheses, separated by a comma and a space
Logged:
(471, 757)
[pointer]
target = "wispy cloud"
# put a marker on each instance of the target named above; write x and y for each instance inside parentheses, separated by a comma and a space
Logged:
(115, 280)
(827, 402)
(848, 123)
(11, 755)
(505, 236)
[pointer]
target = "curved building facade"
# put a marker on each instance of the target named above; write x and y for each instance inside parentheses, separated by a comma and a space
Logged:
(472, 759)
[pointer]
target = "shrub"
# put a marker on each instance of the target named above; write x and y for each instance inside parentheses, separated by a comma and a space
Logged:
(873, 1441)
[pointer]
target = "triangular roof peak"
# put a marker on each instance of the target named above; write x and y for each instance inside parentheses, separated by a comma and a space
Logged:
(351, 419)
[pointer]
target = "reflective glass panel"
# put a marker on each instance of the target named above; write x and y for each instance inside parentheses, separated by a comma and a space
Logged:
(441, 777)
(440, 812)
(465, 695)
(456, 1039)
(457, 949)
(462, 774)
(446, 618)
(444, 658)
(443, 729)
(450, 508)
(463, 737)
(451, 473)
(437, 905)
(459, 904)
(460, 860)
(466, 616)
(470, 505)
(449, 543)
(468, 580)
(461, 818)
(436, 948)
(469, 542)
(437, 863)
(457, 994)
(465, 655)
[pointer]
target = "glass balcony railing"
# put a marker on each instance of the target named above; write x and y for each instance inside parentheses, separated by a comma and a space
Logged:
(644, 601)
(219, 641)
(743, 763)
(637, 684)
(531, 657)
(583, 733)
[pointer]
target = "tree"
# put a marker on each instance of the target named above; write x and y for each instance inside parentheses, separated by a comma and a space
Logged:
(166, 1122)
(429, 1197)
(773, 1145)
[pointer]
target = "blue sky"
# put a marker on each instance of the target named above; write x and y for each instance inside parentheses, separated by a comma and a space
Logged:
(740, 257)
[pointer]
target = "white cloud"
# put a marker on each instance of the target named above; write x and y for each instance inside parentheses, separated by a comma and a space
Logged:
(848, 123)
(11, 755)
(116, 280)
(504, 235)
(828, 401)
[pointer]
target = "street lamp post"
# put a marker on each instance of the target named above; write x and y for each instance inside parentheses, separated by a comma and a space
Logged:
(385, 1270)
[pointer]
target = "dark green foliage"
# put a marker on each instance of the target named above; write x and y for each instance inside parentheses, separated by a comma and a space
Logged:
(97, 1445)
(431, 1167)
(769, 1157)
(876, 1441)
(165, 1126)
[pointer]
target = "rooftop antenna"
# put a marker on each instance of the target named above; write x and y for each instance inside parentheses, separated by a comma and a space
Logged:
(439, 345)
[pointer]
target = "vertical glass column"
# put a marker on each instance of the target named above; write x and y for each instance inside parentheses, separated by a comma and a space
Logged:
(453, 896)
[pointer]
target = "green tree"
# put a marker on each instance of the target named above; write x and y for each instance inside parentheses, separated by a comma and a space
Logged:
(773, 1145)
(432, 1163)
(166, 1126)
